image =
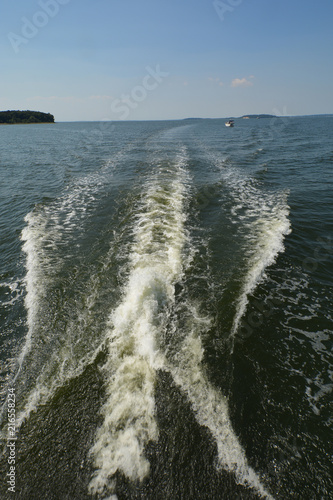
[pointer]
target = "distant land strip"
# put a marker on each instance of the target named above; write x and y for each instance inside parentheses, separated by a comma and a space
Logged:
(259, 116)
(18, 117)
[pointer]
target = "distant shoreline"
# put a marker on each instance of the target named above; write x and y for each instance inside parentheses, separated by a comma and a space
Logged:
(28, 117)
(28, 123)
(52, 120)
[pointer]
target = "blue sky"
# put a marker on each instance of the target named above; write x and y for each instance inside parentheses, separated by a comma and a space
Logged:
(151, 59)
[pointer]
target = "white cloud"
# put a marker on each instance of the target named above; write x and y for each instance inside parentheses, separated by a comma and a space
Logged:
(241, 82)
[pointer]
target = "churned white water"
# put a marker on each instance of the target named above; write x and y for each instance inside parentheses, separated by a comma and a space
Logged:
(211, 408)
(47, 232)
(136, 329)
(266, 217)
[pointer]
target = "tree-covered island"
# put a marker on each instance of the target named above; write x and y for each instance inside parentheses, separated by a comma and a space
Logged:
(18, 117)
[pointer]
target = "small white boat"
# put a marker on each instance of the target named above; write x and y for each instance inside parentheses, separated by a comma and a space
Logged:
(229, 123)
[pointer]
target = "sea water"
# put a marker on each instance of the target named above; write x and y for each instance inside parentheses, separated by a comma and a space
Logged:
(166, 297)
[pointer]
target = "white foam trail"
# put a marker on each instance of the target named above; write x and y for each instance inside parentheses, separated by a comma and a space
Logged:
(268, 223)
(135, 352)
(265, 216)
(51, 368)
(136, 326)
(211, 407)
(39, 243)
(42, 235)
(47, 229)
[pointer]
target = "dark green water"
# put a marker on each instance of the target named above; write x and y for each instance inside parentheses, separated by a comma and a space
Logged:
(166, 298)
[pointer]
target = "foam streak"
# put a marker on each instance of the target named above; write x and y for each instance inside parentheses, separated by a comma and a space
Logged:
(135, 328)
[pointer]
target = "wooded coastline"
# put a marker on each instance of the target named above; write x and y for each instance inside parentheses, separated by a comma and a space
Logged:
(25, 117)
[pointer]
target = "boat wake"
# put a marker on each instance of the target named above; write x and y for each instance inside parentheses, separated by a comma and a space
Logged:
(147, 330)
(138, 345)
(136, 329)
